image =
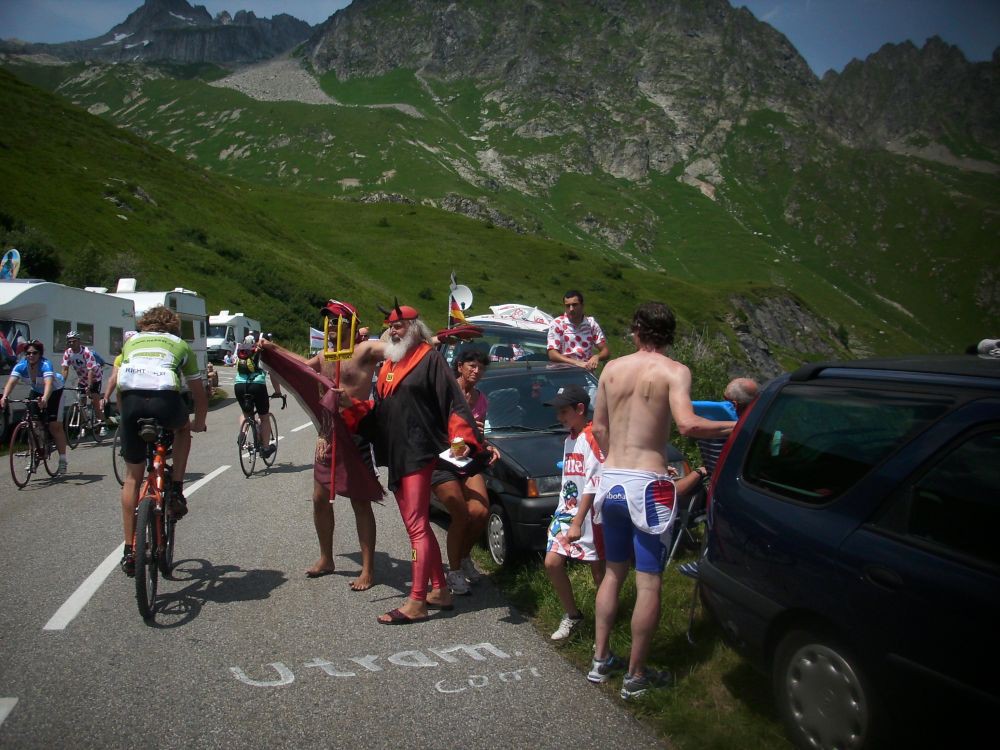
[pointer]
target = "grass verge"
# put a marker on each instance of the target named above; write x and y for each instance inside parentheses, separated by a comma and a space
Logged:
(718, 701)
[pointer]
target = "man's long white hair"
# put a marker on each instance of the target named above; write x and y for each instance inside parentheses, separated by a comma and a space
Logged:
(417, 332)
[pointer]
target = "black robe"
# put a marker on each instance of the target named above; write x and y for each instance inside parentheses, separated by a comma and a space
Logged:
(417, 409)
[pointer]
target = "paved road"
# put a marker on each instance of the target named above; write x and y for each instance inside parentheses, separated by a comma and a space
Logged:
(245, 651)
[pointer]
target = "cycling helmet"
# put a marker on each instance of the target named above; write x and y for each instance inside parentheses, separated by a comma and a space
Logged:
(72, 335)
(269, 336)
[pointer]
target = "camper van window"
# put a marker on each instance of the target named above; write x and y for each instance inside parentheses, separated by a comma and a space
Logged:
(172, 302)
(201, 327)
(59, 330)
(86, 333)
(116, 337)
(187, 330)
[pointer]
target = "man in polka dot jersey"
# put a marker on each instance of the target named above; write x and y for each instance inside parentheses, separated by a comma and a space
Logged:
(575, 338)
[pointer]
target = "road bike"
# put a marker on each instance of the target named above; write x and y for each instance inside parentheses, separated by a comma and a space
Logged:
(80, 418)
(155, 523)
(31, 445)
(248, 440)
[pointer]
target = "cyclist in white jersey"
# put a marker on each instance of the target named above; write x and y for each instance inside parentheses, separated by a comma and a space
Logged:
(149, 385)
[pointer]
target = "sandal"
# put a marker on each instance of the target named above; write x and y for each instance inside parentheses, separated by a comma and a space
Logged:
(398, 617)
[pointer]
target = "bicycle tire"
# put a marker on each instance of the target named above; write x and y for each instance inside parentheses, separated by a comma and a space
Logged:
(22, 454)
(117, 462)
(166, 559)
(48, 451)
(72, 426)
(269, 461)
(94, 426)
(145, 558)
(248, 447)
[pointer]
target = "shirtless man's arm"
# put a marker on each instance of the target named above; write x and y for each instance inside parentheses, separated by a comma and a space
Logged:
(601, 428)
(688, 423)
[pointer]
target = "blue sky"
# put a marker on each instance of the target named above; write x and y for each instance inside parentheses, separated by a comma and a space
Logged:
(828, 33)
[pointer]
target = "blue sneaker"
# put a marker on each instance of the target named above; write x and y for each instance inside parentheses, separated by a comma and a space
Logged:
(600, 671)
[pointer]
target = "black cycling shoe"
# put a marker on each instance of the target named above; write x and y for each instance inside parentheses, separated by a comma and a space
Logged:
(178, 505)
(128, 564)
(269, 451)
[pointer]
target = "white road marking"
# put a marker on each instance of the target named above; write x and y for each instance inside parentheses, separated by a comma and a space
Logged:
(79, 598)
(6, 706)
(301, 427)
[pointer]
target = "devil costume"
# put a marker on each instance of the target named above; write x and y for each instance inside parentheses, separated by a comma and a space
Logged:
(417, 408)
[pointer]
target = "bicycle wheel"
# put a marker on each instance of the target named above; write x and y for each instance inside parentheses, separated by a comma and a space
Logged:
(269, 460)
(166, 558)
(22, 454)
(117, 462)
(72, 426)
(248, 447)
(145, 557)
(93, 425)
(50, 459)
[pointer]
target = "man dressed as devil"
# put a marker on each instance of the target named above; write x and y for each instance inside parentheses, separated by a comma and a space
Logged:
(416, 411)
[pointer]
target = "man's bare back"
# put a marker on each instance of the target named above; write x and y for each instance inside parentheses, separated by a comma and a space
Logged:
(638, 398)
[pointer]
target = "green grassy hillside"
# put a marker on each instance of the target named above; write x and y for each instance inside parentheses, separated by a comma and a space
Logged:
(275, 253)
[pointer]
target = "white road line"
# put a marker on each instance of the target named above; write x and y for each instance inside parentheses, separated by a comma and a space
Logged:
(6, 706)
(79, 598)
(301, 427)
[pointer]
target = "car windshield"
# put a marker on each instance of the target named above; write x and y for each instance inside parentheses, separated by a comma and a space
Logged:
(503, 344)
(517, 396)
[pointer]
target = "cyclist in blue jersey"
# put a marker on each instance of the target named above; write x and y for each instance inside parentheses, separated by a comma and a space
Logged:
(46, 384)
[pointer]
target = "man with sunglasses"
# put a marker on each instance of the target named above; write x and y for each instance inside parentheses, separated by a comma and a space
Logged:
(47, 385)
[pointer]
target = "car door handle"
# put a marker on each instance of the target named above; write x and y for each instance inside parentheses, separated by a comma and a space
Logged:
(883, 577)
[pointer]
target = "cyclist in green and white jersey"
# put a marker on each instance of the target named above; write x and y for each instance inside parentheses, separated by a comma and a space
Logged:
(149, 385)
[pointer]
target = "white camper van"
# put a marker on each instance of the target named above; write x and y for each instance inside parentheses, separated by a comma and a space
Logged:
(34, 309)
(189, 306)
(225, 331)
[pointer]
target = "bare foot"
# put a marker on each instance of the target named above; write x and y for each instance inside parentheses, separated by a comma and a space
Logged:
(321, 568)
(363, 582)
(440, 599)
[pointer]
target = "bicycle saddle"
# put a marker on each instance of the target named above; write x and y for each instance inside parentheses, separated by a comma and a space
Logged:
(149, 429)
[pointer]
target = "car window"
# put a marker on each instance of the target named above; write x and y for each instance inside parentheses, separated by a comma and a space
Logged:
(816, 442)
(504, 345)
(955, 504)
(518, 398)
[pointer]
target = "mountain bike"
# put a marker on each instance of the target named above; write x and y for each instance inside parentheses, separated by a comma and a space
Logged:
(80, 418)
(155, 524)
(30, 445)
(248, 440)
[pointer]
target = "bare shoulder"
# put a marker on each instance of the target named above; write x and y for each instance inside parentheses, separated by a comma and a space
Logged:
(370, 349)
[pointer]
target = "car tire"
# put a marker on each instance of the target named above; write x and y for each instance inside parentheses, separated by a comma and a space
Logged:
(499, 539)
(822, 693)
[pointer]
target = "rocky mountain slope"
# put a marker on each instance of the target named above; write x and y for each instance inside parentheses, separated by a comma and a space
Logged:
(176, 31)
(676, 139)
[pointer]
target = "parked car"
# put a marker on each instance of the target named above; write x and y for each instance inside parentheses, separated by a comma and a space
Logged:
(504, 342)
(524, 484)
(852, 554)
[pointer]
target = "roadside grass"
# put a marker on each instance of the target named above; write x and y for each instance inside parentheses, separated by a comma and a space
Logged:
(718, 700)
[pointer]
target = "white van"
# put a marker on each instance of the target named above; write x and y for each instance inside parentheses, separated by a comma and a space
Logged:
(35, 309)
(225, 331)
(189, 306)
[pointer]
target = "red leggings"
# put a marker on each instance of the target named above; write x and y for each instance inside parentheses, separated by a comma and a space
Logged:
(414, 499)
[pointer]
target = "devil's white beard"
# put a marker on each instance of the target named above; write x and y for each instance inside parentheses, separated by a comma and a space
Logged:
(396, 351)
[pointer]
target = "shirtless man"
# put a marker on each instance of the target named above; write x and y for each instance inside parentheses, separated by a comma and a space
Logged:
(355, 379)
(637, 397)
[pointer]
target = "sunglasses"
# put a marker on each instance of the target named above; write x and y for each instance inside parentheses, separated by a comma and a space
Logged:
(32, 353)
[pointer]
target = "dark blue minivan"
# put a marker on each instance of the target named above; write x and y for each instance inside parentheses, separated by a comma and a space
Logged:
(852, 551)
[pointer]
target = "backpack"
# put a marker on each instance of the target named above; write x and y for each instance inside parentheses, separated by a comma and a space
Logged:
(247, 363)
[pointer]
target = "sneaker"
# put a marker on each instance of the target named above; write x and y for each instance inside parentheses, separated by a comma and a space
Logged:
(457, 583)
(269, 451)
(566, 626)
(469, 570)
(128, 564)
(634, 687)
(600, 671)
(103, 432)
(178, 505)
(62, 468)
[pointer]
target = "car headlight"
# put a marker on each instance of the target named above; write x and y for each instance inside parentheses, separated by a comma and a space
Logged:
(544, 486)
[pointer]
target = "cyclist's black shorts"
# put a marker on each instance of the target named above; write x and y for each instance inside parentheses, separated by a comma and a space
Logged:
(95, 387)
(53, 409)
(167, 407)
(259, 393)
